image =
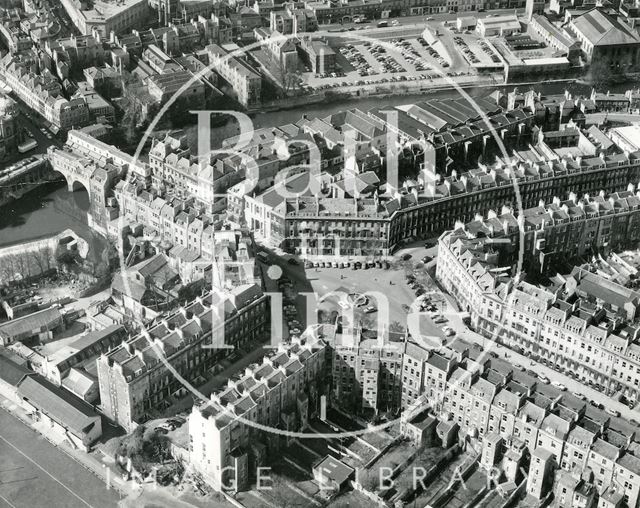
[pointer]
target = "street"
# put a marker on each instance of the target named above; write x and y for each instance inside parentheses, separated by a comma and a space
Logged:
(514, 357)
(220, 379)
(35, 474)
(598, 118)
(422, 19)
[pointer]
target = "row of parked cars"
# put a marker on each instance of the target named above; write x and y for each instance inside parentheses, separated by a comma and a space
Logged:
(485, 47)
(410, 54)
(337, 74)
(354, 265)
(468, 54)
(432, 52)
(289, 306)
(387, 62)
(357, 60)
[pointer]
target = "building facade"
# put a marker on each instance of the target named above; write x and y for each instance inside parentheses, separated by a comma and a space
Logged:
(134, 380)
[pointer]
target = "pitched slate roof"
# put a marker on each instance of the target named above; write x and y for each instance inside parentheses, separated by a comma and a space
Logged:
(60, 405)
(11, 372)
(601, 30)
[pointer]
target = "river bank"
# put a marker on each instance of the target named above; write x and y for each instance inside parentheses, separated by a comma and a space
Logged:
(36, 257)
(51, 208)
(43, 212)
(293, 113)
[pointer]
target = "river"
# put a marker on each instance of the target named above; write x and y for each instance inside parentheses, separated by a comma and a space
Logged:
(45, 211)
(52, 208)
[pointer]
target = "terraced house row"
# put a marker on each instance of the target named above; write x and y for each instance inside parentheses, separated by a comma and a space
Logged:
(489, 402)
(135, 382)
(377, 221)
(479, 399)
(582, 323)
(282, 392)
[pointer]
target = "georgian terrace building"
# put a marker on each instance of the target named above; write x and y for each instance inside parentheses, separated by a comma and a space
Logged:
(281, 392)
(375, 224)
(489, 401)
(134, 381)
(584, 323)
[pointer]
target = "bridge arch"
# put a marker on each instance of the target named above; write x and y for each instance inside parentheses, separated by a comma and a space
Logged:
(75, 185)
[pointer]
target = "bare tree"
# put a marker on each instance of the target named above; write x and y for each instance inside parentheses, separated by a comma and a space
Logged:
(48, 256)
(39, 260)
(290, 79)
(7, 268)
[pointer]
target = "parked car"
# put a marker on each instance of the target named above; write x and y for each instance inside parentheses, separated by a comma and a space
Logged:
(613, 412)
(580, 395)
(559, 386)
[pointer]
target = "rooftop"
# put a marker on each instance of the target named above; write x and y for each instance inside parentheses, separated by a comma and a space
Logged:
(60, 405)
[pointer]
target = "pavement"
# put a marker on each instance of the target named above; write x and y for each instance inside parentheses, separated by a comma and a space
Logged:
(513, 357)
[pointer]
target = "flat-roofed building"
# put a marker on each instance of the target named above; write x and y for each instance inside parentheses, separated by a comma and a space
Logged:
(107, 16)
(498, 25)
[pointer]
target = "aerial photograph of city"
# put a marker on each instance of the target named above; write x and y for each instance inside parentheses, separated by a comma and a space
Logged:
(319, 253)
